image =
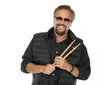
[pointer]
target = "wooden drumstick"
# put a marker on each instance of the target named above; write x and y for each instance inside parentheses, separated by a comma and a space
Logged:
(71, 51)
(65, 50)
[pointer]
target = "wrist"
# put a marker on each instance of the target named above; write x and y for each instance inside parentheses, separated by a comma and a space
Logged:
(68, 67)
(42, 69)
(72, 69)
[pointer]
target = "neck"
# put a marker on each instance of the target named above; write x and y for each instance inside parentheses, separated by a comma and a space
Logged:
(60, 38)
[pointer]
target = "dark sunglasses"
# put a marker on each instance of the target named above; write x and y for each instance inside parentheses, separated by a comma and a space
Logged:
(65, 19)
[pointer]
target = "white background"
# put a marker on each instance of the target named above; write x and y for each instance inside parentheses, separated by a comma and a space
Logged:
(20, 19)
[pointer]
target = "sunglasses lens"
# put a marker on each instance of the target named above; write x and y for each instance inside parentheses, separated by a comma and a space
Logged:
(67, 20)
(58, 18)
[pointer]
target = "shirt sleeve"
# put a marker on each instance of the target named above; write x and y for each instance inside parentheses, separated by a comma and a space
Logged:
(84, 64)
(27, 57)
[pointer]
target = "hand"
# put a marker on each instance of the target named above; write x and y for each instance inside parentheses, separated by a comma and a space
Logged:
(48, 69)
(62, 63)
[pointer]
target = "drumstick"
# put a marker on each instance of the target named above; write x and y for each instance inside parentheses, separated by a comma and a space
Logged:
(65, 50)
(71, 51)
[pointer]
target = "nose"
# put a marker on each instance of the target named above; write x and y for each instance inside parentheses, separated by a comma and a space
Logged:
(62, 21)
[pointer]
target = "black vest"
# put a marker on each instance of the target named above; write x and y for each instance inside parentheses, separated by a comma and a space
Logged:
(41, 56)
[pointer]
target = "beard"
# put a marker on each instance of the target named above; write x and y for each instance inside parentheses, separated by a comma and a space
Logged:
(60, 29)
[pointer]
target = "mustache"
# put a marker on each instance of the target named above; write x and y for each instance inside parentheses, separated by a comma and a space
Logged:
(61, 25)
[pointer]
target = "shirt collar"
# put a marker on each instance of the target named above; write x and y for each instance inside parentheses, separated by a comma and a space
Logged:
(71, 35)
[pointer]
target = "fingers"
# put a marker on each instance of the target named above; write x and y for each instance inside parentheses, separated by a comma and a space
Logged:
(48, 69)
(58, 59)
(60, 62)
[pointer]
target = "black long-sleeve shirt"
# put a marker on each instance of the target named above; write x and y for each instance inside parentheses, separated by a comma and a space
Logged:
(82, 62)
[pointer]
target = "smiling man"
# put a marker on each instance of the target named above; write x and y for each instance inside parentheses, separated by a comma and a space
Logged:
(46, 48)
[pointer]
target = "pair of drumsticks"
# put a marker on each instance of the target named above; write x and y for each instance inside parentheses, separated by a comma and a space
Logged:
(70, 51)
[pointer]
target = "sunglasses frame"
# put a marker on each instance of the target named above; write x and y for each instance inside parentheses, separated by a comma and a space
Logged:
(65, 19)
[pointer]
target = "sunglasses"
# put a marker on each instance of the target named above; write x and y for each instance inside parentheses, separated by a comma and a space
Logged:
(65, 19)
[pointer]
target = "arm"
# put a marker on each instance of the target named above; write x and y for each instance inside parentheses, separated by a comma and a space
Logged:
(32, 68)
(65, 65)
(82, 71)
(84, 64)
(27, 66)
(27, 58)
(46, 69)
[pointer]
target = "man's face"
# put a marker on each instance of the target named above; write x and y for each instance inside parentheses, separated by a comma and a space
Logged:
(62, 21)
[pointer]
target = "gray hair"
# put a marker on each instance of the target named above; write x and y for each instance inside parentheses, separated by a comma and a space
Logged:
(66, 7)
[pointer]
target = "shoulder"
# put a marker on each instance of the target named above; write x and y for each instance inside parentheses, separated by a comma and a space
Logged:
(83, 46)
(79, 40)
(39, 35)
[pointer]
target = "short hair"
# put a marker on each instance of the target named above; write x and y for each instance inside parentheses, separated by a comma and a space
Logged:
(66, 7)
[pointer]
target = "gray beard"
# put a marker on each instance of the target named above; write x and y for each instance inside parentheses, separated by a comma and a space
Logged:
(58, 32)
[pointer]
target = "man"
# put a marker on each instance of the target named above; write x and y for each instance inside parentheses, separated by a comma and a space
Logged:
(42, 57)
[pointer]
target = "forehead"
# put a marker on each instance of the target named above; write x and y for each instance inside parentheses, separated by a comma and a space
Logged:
(63, 13)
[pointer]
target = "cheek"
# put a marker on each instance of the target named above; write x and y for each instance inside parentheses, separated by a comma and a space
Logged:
(55, 23)
(67, 25)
